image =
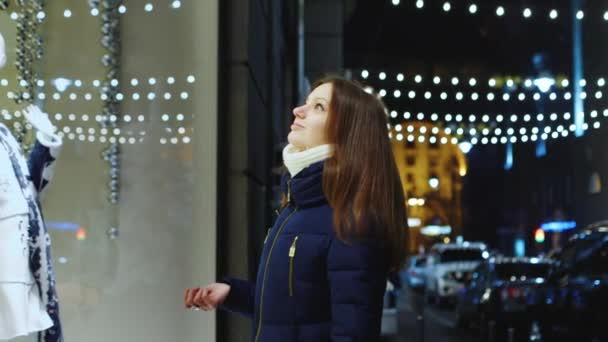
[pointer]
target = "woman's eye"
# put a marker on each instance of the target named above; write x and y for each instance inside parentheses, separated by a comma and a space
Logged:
(319, 106)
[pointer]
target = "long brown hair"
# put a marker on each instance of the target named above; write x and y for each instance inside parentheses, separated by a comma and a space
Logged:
(361, 180)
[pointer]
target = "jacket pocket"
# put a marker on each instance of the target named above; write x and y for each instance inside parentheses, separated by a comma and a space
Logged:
(292, 256)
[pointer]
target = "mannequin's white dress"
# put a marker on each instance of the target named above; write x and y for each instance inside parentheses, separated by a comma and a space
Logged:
(21, 310)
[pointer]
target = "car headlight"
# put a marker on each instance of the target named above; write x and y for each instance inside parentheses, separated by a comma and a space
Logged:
(455, 276)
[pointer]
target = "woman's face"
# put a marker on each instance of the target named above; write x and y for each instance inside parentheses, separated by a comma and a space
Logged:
(308, 128)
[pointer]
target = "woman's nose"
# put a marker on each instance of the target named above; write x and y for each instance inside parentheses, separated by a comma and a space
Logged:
(300, 111)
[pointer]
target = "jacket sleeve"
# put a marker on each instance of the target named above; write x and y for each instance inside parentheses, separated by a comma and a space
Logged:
(41, 162)
(357, 276)
(241, 297)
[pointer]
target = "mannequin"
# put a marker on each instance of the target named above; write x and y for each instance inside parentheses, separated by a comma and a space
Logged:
(28, 300)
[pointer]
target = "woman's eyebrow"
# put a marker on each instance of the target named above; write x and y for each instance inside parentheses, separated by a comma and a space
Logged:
(317, 98)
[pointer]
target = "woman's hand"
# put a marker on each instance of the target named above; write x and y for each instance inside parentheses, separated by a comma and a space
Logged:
(208, 297)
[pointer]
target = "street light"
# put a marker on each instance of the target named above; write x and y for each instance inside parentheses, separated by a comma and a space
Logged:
(465, 147)
(544, 83)
(62, 83)
(434, 182)
(539, 235)
(415, 202)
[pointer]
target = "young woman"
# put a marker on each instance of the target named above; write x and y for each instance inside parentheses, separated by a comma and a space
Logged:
(341, 231)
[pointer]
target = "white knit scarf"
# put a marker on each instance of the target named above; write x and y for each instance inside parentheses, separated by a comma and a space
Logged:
(296, 160)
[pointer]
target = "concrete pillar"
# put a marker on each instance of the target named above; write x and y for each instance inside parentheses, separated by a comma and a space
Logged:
(203, 252)
(323, 52)
(254, 95)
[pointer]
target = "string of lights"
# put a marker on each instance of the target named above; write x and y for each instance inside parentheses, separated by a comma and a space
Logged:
(185, 140)
(527, 13)
(116, 135)
(83, 117)
(490, 118)
(489, 96)
(118, 97)
(489, 135)
(493, 82)
(95, 11)
(62, 83)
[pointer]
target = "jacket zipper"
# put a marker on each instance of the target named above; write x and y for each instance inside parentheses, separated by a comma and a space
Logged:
(267, 234)
(289, 191)
(259, 328)
(292, 255)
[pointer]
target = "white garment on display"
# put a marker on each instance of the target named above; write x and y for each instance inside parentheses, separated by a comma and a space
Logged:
(28, 297)
(21, 310)
(10, 205)
(28, 338)
(2, 52)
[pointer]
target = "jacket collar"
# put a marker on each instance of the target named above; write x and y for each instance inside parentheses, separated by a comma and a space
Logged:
(306, 188)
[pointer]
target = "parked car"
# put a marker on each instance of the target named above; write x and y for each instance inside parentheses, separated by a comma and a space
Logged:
(415, 273)
(503, 290)
(448, 266)
(390, 319)
(577, 288)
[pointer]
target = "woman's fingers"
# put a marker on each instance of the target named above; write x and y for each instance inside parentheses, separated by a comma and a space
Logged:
(199, 299)
(208, 300)
(205, 298)
(186, 296)
(190, 296)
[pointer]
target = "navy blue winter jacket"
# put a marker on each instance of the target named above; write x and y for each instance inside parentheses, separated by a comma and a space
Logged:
(311, 286)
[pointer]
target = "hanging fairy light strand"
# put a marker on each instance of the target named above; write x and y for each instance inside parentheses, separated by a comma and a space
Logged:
(134, 82)
(487, 118)
(119, 97)
(110, 40)
(78, 88)
(509, 82)
(490, 135)
(479, 96)
(526, 13)
(95, 11)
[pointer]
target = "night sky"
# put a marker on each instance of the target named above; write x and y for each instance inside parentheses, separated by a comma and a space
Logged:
(381, 37)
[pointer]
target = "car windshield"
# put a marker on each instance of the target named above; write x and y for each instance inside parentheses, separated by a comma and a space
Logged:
(420, 262)
(507, 271)
(451, 255)
(595, 263)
